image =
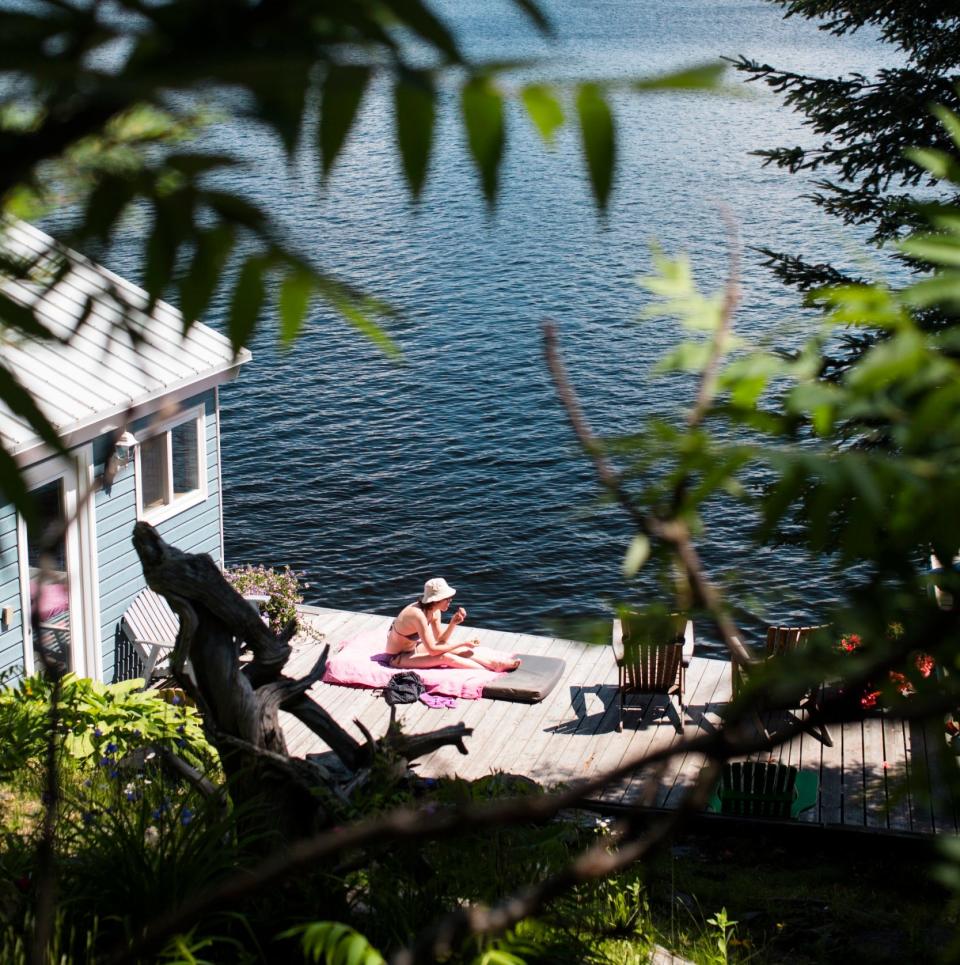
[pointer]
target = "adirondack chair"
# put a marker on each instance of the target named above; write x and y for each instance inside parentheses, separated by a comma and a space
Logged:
(652, 654)
(944, 598)
(781, 641)
(760, 790)
(151, 626)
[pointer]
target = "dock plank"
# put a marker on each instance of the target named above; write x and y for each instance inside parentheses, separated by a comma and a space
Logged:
(895, 774)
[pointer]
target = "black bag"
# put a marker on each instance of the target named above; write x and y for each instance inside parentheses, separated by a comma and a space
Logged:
(404, 688)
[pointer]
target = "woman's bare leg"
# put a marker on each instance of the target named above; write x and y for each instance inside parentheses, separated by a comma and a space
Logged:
(494, 663)
(432, 661)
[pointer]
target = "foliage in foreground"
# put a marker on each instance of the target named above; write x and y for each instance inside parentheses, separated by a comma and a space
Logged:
(99, 127)
(97, 722)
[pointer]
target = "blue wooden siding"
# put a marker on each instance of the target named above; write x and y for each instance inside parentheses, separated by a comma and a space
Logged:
(11, 637)
(195, 530)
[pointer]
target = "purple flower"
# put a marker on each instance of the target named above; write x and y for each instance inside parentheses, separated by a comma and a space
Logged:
(186, 816)
(176, 699)
(97, 732)
(88, 818)
(111, 748)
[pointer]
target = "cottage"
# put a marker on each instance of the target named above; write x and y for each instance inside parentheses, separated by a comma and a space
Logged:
(151, 383)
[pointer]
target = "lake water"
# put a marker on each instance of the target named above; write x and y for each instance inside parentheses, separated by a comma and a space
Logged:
(369, 476)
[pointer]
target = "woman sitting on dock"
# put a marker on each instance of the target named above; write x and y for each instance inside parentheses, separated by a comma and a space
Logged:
(417, 639)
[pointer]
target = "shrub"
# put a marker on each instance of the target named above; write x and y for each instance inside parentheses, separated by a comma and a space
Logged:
(282, 586)
(97, 722)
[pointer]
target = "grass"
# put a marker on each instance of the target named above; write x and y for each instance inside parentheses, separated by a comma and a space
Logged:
(799, 900)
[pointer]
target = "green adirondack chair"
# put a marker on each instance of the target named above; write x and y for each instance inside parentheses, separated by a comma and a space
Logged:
(760, 790)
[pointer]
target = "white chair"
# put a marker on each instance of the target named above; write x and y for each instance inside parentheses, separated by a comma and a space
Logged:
(151, 626)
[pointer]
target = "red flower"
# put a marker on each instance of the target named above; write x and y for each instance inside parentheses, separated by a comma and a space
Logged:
(869, 699)
(901, 683)
(925, 664)
(850, 642)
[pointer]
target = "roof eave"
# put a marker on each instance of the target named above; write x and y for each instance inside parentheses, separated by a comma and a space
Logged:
(35, 450)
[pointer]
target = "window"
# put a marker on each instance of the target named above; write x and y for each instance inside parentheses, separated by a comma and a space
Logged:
(170, 468)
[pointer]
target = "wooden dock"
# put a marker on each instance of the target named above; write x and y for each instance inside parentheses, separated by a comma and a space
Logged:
(876, 776)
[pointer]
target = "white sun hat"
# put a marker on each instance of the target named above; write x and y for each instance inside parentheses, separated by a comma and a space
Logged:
(436, 589)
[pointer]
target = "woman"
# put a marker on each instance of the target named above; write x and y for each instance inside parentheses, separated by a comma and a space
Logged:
(418, 640)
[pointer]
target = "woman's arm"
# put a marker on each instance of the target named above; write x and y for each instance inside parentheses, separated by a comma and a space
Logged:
(436, 640)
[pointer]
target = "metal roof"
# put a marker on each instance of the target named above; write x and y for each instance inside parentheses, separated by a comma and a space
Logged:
(105, 373)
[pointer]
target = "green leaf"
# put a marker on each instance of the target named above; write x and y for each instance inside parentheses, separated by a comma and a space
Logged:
(19, 318)
(533, 11)
(599, 139)
(937, 249)
(281, 93)
(106, 203)
(543, 109)
(340, 98)
(161, 252)
(21, 403)
(942, 289)
(482, 106)
(358, 311)
(700, 77)
(294, 300)
(423, 21)
(193, 164)
(248, 296)
(334, 943)
(938, 163)
(211, 251)
(949, 120)
(415, 112)
(14, 488)
(637, 554)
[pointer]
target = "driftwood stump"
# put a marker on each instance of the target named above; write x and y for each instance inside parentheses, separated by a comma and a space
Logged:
(240, 701)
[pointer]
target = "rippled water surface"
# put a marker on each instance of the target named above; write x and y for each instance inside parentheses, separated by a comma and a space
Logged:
(371, 476)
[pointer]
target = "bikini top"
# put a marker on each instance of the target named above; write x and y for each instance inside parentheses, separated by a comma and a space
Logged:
(406, 636)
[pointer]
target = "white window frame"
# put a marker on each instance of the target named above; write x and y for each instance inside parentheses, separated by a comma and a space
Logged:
(174, 505)
(74, 475)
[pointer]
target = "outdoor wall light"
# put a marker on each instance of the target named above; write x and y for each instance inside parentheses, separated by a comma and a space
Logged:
(124, 448)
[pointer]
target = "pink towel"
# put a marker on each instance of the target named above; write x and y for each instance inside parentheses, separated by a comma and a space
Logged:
(362, 662)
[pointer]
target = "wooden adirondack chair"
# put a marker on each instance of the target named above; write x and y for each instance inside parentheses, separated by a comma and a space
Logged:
(652, 654)
(760, 790)
(781, 641)
(151, 626)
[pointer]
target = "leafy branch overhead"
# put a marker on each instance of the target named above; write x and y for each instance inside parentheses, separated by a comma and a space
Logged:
(97, 102)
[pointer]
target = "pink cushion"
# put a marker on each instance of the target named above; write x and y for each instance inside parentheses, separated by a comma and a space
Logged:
(362, 662)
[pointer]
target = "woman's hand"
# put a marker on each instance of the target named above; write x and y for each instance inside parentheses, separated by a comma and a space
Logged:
(457, 618)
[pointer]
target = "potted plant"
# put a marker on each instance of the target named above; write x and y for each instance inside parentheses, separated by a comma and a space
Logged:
(281, 587)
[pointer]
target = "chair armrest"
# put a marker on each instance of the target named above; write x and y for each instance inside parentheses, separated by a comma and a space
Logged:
(688, 643)
(616, 640)
(255, 599)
